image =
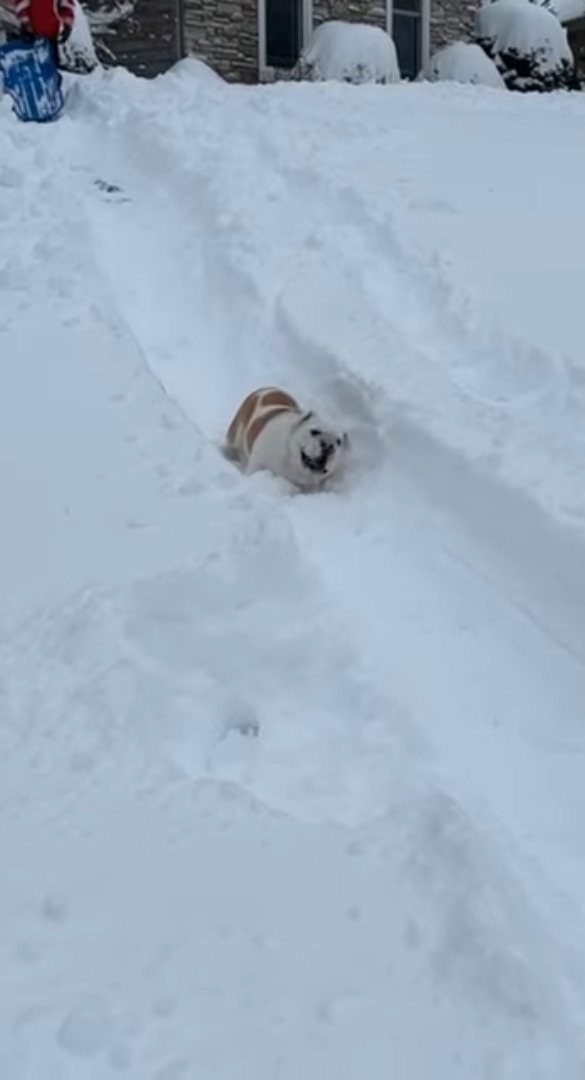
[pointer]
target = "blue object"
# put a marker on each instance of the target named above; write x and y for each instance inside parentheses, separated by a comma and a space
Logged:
(32, 79)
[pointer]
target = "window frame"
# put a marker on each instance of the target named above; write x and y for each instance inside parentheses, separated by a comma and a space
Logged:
(265, 71)
(425, 25)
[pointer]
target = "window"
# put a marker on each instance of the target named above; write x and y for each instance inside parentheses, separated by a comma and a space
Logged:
(283, 32)
(407, 35)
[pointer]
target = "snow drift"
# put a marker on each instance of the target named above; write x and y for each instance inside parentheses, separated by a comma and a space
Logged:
(306, 771)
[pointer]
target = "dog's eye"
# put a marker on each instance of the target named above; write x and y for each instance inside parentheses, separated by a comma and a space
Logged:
(314, 433)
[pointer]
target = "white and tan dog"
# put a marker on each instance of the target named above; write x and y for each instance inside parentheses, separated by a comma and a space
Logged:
(270, 431)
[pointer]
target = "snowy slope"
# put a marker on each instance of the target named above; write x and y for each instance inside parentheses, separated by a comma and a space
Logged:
(290, 786)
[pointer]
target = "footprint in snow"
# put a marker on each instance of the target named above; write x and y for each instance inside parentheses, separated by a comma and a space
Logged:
(111, 189)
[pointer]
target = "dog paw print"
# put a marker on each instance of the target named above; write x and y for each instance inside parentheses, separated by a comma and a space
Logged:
(90, 1030)
(86, 1030)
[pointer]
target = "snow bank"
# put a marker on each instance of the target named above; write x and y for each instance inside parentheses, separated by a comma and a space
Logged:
(350, 52)
(215, 819)
(528, 44)
(311, 769)
(464, 63)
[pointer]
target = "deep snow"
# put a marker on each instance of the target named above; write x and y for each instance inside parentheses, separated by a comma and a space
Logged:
(292, 786)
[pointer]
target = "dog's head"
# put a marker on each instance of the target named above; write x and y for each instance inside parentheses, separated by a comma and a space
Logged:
(320, 449)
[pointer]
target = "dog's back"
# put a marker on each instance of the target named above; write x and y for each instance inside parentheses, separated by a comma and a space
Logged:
(257, 409)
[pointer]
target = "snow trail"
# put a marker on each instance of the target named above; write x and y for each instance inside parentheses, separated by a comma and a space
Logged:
(285, 800)
(429, 555)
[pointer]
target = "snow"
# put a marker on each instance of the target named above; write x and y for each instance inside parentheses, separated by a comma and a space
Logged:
(568, 10)
(463, 62)
(565, 10)
(292, 785)
(525, 27)
(350, 52)
(79, 53)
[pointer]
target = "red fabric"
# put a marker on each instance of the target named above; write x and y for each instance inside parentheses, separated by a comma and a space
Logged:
(46, 17)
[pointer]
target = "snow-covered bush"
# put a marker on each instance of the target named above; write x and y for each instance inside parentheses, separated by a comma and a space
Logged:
(528, 45)
(349, 52)
(190, 69)
(78, 54)
(463, 62)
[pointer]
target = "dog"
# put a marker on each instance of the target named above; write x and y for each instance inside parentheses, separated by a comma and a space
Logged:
(270, 431)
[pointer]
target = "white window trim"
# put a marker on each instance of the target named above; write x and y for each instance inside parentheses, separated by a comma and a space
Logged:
(266, 73)
(425, 51)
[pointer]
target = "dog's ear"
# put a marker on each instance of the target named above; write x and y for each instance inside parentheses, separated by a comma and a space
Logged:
(303, 418)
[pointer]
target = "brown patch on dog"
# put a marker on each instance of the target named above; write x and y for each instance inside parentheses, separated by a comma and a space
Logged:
(260, 422)
(278, 397)
(243, 416)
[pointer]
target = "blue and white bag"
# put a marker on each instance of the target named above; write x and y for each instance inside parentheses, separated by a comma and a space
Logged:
(31, 79)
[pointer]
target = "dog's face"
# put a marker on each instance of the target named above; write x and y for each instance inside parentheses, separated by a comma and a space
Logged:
(320, 450)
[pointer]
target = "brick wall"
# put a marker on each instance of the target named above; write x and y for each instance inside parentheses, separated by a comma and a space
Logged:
(350, 11)
(224, 33)
(451, 20)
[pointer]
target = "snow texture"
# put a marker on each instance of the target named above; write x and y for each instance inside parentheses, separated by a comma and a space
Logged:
(567, 10)
(350, 52)
(463, 62)
(292, 786)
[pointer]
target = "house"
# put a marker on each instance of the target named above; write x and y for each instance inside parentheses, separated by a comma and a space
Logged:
(259, 40)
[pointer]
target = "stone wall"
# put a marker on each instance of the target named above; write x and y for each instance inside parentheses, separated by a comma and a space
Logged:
(451, 20)
(224, 34)
(350, 11)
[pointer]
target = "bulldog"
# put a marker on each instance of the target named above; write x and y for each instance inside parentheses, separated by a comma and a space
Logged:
(270, 431)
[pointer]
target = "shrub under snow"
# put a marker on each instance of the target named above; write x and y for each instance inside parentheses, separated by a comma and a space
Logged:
(349, 52)
(464, 63)
(192, 70)
(78, 54)
(528, 45)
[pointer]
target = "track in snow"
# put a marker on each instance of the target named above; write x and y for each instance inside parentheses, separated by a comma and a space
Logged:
(468, 623)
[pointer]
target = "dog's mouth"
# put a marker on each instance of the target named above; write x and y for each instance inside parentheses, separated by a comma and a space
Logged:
(317, 464)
